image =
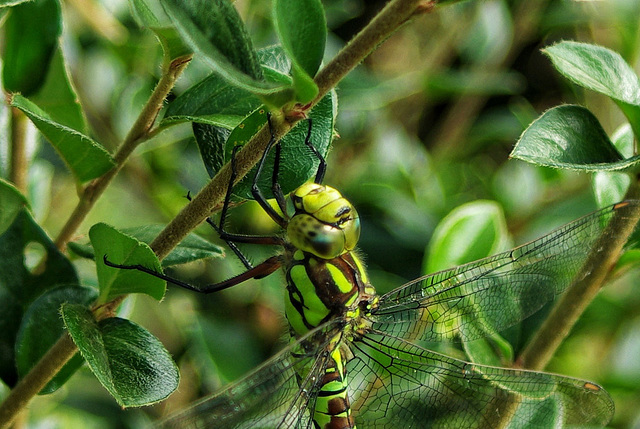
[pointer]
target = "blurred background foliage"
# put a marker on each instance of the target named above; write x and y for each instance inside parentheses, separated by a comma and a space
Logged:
(425, 125)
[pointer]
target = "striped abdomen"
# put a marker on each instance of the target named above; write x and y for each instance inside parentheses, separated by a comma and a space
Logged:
(332, 409)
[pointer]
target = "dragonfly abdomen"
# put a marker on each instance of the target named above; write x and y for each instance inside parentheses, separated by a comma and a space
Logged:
(332, 407)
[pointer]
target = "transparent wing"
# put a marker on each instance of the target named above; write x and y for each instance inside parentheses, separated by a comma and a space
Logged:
(277, 394)
(496, 292)
(394, 381)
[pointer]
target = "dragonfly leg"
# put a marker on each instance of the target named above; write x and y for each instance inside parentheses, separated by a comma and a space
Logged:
(322, 167)
(255, 189)
(259, 271)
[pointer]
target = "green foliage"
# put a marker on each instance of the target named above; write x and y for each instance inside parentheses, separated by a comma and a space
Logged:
(191, 249)
(31, 32)
(303, 30)
(425, 126)
(120, 248)
(129, 362)
(85, 157)
(470, 232)
(22, 286)
(42, 327)
(601, 70)
(215, 31)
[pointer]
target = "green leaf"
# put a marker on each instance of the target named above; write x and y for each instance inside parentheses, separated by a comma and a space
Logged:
(212, 101)
(597, 68)
(601, 70)
(298, 163)
(30, 38)
(9, 3)
(214, 30)
(470, 232)
(610, 187)
(58, 98)
(41, 328)
(128, 361)
(491, 350)
(11, 202)
(22, 246)
(192, 248)
(123, 249)
(85, 158)
(570, 137)
(302, 28)
(150, 14)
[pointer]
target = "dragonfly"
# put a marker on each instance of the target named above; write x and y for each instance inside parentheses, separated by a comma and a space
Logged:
(353, 358)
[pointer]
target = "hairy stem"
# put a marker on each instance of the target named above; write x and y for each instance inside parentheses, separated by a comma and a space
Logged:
(19, 166)
(36, 379)
(64, 349)
(396, 13)
(388, 20)
(139, 132)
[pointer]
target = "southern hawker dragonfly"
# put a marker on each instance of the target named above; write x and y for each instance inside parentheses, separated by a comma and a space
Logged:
(352, 358)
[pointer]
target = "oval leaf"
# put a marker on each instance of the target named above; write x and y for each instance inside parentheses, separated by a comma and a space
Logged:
(12, 202)
(214, 30)
(128, 361)
(212, 101)
(570, 137)
(601, 70)
(302, 28)
(30, 37)
(192, 248)
(470, 232)
(597, 68)
(86, 158)
(123, 249)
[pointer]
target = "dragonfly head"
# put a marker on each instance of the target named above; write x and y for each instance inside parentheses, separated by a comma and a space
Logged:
(324, 223)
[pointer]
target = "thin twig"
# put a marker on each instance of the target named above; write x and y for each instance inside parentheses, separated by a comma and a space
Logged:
(382, 26)
(19, 166)
(139, 133)
(388, 20)
(36, 379)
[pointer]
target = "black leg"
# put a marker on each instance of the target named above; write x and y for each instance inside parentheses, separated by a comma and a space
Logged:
(255, 190)
(259, 271)
(230, 243)
(322, 167)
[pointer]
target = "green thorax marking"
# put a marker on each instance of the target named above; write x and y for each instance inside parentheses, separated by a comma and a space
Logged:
(325, 278)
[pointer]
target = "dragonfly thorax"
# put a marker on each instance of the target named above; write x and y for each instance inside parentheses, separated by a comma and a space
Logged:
(324, 224)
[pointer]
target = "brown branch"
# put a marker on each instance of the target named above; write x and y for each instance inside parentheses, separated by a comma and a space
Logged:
(396, 13)
(139, 132)
(388, 20)
(36, 379)
(19, 165)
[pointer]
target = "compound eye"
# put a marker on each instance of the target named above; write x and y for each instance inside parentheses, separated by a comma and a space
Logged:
(310, 235)
(351, 230)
